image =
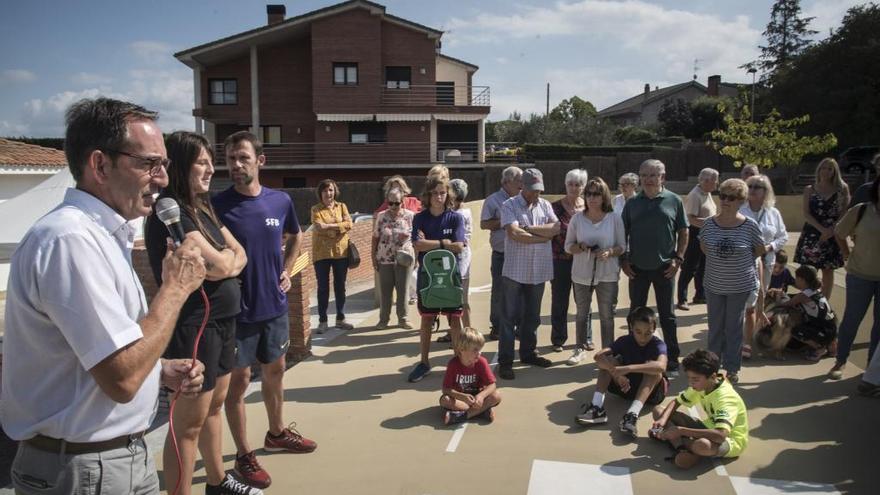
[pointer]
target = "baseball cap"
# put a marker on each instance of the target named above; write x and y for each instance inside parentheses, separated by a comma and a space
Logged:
(533, 180)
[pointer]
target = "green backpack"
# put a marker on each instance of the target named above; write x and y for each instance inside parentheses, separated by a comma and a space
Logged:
(441, 283)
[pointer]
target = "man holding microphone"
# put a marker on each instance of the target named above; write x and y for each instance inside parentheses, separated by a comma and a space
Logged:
(81, 365)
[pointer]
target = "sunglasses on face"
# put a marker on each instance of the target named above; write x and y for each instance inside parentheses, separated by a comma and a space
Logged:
(593, 194)
(756, 186)
(394, 203)
(728, 197)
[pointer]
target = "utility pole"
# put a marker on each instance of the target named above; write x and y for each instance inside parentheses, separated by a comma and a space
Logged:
(753, 71)
(547, 112)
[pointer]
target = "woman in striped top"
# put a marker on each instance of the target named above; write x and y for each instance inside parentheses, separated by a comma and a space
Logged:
(731, 243)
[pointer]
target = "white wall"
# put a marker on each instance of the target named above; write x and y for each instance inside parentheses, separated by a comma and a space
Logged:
(450, 71)
(11, 185)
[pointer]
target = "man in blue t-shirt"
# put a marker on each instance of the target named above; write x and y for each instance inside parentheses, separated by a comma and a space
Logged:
(632, 368)
(261, 219)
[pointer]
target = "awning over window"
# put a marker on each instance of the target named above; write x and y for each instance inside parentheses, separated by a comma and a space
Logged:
(459, 117)
(344, 117)
(403, 117)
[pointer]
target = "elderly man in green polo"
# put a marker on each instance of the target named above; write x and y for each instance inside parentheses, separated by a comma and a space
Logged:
(657, 236)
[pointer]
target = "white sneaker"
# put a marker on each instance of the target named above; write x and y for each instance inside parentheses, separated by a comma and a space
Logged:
(578, 356)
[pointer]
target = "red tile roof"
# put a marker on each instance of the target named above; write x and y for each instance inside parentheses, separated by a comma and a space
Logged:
(14, 153)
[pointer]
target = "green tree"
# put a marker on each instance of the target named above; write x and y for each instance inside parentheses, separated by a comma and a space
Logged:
(675, 117)
(837, 81)
(787, 35)
(773, 142)
(706, 116)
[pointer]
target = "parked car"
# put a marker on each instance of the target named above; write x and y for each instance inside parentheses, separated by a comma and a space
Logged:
(857, 160)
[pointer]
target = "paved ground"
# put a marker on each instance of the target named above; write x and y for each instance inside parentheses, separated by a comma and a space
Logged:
(379, 434)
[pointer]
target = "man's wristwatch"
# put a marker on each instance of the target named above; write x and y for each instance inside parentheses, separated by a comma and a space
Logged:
(679, 258)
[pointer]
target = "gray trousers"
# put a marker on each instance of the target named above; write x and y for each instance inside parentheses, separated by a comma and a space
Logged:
(124, 470)
(726, 317)
(393, 277)
(606, 297)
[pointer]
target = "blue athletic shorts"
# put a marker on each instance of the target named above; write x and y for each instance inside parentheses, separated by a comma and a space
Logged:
(263, 341)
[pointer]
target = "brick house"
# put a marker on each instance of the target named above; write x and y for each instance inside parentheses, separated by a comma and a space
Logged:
(642, 109)
(348, 88)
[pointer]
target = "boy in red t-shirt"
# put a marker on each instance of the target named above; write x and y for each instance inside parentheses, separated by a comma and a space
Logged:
(469, 385)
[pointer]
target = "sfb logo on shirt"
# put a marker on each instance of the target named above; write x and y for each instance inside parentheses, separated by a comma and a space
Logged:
(273, 222)
(447, 231)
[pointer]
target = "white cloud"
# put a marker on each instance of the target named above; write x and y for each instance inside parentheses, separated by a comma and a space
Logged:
(90, 79)
(17, 76)
(152, 52)
(828, 14)
(675, 37)
(13, 129)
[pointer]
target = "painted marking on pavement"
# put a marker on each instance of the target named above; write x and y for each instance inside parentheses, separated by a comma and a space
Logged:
(759, 486)
(554, 477)
(482, 288)
(456, 437)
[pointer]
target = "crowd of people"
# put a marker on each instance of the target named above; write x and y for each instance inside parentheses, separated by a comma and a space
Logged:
(85, 355)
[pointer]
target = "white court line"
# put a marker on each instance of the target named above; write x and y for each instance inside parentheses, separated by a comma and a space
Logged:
(554, 478)
(456, 437)
(459, 431)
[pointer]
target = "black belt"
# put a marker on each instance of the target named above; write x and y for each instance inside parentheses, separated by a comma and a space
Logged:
(49, 444)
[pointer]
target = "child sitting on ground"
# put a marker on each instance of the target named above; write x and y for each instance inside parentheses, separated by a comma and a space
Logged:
(724, 433)
(781, 277)
(819, 326)
(632, 368)
(469, 385)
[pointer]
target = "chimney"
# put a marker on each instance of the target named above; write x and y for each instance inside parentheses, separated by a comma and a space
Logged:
(647, 90)
(275, 13)
(714, 84)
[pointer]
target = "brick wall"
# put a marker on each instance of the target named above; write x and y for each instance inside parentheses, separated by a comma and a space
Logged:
(303, 286)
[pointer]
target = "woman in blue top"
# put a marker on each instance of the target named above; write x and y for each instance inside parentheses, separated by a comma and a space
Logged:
(731, 243)
(437, 226)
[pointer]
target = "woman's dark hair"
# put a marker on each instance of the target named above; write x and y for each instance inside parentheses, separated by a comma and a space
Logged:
(781, 257)
(702, 362)
(184, 149)
(324, 185)
(642, 314)
(810, 276)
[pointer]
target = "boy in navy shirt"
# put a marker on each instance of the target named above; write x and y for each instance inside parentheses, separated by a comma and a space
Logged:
(781, 277)
(632, 368)
(469, 385)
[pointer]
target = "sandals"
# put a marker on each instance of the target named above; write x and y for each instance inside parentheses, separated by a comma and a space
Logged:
(746, 351)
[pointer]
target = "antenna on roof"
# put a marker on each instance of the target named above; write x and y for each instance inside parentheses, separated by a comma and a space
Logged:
(696, 67)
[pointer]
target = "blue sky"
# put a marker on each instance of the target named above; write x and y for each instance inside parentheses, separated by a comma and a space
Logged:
(56, 52)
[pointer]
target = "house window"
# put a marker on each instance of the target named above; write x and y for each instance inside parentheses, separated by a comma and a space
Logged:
(223, 92)
(398, 77)
(345, 74)
(367, 132)
(445, 93)
(271, 134)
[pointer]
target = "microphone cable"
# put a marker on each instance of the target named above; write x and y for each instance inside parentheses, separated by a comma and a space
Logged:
(176, 394)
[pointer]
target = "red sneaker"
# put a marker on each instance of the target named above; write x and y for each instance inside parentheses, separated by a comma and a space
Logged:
(249, 470)
(290, 441)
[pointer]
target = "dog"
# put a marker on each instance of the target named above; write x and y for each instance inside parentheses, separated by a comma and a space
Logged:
(775, 337)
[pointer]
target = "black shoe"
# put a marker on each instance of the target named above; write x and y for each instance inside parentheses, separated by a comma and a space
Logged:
(699, 300)
(506, 371)
(592, 415)
(537, 361)
(493, 335)
(628, 424)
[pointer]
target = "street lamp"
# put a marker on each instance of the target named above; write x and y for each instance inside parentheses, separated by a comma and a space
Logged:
(753, 71)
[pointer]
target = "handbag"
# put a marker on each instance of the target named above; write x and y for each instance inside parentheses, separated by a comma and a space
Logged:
(405, 256)
(354, 257)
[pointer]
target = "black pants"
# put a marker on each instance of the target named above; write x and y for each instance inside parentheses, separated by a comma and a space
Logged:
(638, 296)
(693, 267)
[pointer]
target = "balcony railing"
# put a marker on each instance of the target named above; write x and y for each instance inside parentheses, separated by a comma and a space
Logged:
(343, 153)
(401, 93)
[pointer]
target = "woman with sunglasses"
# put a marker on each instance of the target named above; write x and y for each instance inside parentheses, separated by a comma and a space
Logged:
(198, 420)
(731, 243)
(391, 235)
(596, 239)
(760, 208)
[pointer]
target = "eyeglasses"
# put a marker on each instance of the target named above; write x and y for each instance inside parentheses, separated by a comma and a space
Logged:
(593, 194)
(625, 184)
(729, 197)
(155, 164)
(756, 186)
(394, 203)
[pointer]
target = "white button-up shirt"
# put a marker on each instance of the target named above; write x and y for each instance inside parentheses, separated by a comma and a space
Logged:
(73, 299)
(527, 263)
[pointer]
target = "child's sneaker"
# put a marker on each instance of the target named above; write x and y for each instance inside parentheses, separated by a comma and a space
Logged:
(594, 415)
(629, 426)
(454, 417)
(419, 372)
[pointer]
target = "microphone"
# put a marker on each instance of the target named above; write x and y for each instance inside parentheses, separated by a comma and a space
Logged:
(169, 213)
